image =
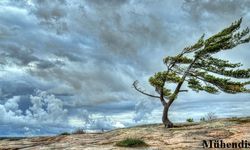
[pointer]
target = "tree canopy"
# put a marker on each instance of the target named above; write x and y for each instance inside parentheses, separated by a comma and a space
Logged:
(202, 71)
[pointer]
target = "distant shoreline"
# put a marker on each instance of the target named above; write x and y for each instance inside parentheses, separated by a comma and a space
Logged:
(176, 125)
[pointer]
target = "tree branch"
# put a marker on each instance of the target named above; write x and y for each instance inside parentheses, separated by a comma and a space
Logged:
(162, 98)
(200, 78)
(183, 91)
(177, 89)
(135, 85)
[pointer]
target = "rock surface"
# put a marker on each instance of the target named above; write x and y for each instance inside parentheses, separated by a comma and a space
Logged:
(182, 136)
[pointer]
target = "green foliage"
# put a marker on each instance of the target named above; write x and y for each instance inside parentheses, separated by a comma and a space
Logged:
(197, 66)
(224, 33)
(239, 73)
(131, 142)
(166, 92)
(202, 68)
(194, 84)
(178, 59)
(190, 120)
(173, 96)
(225, 84)
(202, 119)
(196, 46)
(226, 39)
(65, 133)
(219, 66)
(210, 89)
(159, 79)
(215, 62)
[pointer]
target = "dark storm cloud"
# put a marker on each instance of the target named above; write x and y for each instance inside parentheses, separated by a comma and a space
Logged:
(218, 8)
(109, 3)
(16, 84)
(19, 55)
(54, 10)
(69, 55)
(117, 27)
(214, 15)
(23, 57)
(8, 89)
(105, 35)
(109, 35)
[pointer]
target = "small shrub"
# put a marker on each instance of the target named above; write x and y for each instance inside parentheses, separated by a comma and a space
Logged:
(202, 119)
(210, 116)
(65, 133)
(131, 142)
(79, 131)
(190, 120)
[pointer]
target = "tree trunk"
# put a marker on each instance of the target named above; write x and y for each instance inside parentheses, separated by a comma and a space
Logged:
(165, 119)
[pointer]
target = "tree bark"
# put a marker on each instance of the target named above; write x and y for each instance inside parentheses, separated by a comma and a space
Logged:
(165, 118)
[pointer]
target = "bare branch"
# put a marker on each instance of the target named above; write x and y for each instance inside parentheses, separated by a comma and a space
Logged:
(183, 91)
(135, 85)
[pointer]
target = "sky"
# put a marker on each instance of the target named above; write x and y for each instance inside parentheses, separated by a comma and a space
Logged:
(68, 64)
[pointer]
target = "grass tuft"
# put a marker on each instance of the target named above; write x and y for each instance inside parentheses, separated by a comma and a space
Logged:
(131, 142)
(65, 133)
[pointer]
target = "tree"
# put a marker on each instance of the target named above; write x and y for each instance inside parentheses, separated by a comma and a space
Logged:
(202, 71)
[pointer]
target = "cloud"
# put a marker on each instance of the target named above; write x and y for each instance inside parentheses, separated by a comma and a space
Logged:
(45, 110)
(12, 104)
(212, 16)
(53, 111)
(144, 110)
(93, 122)
(55, 9)
(216, 8)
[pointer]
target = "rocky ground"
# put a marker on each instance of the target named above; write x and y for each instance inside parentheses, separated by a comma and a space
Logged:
(183, 136)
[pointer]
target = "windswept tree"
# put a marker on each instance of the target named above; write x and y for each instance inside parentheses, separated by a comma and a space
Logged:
(201, 70)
